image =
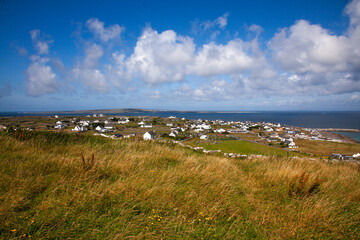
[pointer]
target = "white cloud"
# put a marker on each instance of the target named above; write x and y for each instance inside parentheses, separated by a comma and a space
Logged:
(103, 33)
(161, 57)
(220, 22)
(355, 97)
(40, 79)
(209, 91)
(92, 55)
(213, 59)
(89, 73)
(317, 61)
(41, 43)
(305, 48)
(353, 10)
(117, 73)
(92, 78)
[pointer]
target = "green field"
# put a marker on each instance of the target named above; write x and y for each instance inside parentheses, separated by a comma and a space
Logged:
(72, 186)
(243, 147)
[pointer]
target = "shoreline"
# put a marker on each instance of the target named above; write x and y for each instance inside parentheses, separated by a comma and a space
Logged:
(339, 130)
(338, 137)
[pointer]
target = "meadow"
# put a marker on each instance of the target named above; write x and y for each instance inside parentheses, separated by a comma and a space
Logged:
(69, 186)
(242, 147)
(326, 148)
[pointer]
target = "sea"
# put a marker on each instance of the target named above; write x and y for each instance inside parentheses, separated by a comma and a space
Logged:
(342, 120)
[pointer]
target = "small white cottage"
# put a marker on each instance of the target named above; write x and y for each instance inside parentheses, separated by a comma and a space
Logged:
(149, 135)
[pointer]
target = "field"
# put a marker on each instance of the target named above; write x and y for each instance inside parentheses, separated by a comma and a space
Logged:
(326, 148)
(242, 147)
(69, 186)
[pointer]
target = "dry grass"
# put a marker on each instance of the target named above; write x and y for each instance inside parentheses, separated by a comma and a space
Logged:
(326, 148)
(138, 190)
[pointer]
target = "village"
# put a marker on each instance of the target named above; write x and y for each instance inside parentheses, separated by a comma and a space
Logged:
(230, 138)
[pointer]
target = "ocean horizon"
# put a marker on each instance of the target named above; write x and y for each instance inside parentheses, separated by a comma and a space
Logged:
(306, 119)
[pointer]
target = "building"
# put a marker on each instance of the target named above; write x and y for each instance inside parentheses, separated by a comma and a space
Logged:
(78, 128)
(204, 137)
(149, 135)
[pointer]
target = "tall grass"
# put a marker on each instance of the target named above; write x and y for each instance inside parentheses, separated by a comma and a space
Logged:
(138, 189)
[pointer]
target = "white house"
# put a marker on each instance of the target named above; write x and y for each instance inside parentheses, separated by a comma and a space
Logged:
(147, 125)
(101, 129)
(220, 130)
(290, 143)
(172, 134)
(78, 128)
(84, 123)
(268, 129)
(169, 124)
(149, 135)
(204, 137)
(204, 126)
(123, 120)
(59, 126)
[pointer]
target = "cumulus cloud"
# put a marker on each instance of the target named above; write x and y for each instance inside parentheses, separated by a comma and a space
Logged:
(40, 79)
(213, 59)
(41, 42)
(103, 33)
(304, 59)
(161, 57)
(88, 71)
(306, 47)
(353, 11)
(317, 61)
(92, 78)
(117, 72)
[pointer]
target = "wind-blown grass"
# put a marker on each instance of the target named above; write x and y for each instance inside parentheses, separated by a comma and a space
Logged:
(138, 189)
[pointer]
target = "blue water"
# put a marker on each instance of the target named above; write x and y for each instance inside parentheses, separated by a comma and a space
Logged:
(348, 120)
(352, 135)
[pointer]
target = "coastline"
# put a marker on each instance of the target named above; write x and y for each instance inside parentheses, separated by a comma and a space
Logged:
(339, 130)
(337, 136)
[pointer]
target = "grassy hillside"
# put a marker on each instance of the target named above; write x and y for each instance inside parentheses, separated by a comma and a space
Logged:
(135, 189)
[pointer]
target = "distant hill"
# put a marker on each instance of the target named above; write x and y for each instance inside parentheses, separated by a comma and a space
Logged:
(97, 111)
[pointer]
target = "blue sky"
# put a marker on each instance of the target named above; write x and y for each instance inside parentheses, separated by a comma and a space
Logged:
(180, 55)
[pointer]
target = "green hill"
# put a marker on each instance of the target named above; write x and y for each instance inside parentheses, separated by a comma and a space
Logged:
(52, 187)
